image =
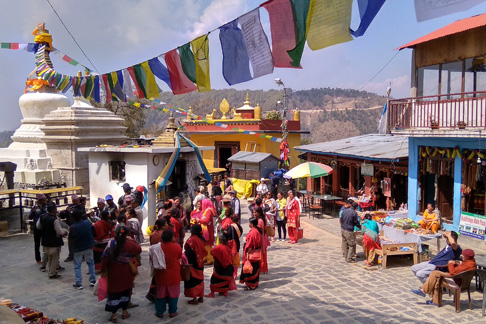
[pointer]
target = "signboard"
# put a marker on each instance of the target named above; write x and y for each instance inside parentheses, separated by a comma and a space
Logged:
(472, 225)
(367, 169)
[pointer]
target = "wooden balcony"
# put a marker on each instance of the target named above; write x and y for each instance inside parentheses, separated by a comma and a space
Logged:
(460, 112)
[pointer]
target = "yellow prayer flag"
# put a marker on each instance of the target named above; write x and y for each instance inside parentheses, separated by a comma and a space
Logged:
(136, 104)
(150, 85)
(200, 48)
(328, 23)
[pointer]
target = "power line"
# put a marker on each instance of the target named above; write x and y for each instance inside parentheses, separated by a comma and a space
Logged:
(62, 22)
(374, 76)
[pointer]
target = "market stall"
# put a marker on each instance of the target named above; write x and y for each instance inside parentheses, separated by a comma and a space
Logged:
(9, 311)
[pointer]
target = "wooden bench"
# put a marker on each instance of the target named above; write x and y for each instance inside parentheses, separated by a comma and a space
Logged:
(396, 249)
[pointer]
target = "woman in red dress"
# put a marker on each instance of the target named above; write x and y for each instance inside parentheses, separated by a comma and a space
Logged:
(262, 223)
(253, 242)
(103, 233)
(195, 252)
(115, 266)
(293, 216)
(168, 280)
(222, 279)
(205, 218)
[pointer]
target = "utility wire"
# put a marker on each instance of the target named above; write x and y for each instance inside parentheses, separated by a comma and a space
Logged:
(62, 22)
(374, 76)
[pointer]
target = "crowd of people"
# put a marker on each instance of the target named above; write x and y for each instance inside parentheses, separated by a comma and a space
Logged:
(108, 238)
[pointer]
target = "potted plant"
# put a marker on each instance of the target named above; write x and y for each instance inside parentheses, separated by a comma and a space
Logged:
(434, 124)
(461, 125)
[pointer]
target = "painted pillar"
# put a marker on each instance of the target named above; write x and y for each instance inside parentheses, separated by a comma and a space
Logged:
(151, 202)
(351, 180)
(413, 164)
(456, 208)
(335, 180)
(309, 180)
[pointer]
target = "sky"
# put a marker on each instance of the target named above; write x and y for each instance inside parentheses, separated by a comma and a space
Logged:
(118, 34)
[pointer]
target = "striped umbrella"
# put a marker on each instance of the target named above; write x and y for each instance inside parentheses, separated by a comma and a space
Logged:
(309, 169)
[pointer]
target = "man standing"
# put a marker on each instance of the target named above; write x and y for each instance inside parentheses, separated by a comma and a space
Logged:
(235, 204)
(262, 188)
(52, 234)
(128, 191)
(274, 181)
(82, 235)
(36, 212)
(110, 204)
(451, 252)
(349, 219)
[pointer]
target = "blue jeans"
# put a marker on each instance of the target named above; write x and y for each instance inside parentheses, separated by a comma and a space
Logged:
(423, 270)
(78, 259)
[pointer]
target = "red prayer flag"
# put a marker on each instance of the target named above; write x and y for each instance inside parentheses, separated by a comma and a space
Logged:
(282, 28)
(134, 79)
(178, 80)
(66, 58)
(107, 88)
(14, 46)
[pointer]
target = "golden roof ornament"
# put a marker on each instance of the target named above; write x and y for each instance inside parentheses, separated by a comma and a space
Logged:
(224, 107)
(258, 112)
(296, 114)
(167, 138)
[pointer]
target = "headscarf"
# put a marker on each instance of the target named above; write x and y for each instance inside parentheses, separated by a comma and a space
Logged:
(468, 254)
(207, 204)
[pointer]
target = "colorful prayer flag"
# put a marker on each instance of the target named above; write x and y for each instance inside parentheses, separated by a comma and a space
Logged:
(301, 9)
(188, 62)
(367, 11)
(164, 176)
(96, 88)
(426, 9)
(200, 49)
(138, 86)
(282, 29)
(256, 43)
(127, 84)
(151, 88)
(160, 71)
(328, 23)
(179, 81)
(236, 63)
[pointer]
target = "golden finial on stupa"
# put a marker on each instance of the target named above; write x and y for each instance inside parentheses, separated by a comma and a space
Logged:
(224, 107)
(258, 112)
(247, 100)
(297, 114)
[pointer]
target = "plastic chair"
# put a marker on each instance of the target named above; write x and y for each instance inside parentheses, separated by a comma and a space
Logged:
(482, 278)
(464, 278)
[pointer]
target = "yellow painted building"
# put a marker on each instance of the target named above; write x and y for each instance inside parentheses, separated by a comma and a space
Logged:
(228, 141)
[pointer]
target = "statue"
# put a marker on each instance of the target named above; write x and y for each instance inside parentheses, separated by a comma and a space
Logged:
(211, 116)
(224, 108)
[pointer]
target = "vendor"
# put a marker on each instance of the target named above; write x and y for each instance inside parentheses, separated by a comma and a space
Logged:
(430, 221)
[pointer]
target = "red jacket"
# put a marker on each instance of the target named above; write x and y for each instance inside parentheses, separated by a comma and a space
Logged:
(171, 275)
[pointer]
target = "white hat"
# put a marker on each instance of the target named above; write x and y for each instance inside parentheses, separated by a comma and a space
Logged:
(262, 179)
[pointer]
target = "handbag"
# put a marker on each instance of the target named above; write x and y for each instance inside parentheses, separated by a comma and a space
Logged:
(185, 272)
(269, 230)
(235, 258)
(255, 255)
(102, 288)
(247, 267)
(300, 233)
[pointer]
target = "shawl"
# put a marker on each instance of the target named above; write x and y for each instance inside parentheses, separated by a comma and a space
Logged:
(370, 228)
(197, 246)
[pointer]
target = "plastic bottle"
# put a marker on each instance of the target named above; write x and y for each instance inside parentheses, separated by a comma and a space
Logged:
(380, 261)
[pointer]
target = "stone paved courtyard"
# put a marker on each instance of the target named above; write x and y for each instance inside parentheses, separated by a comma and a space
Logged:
(307, 282)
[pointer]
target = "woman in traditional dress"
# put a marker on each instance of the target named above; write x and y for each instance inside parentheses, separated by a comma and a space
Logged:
(371, 240)
(195, 251)
(253, 242)
(430, 220)
(168, 280)
(270, 208)
(156, 237)
(179, 232)
(205, 218)
(115, 265)
(103, 233)
(235, 231)
(222, 279)
(293, 216)
(262, 223)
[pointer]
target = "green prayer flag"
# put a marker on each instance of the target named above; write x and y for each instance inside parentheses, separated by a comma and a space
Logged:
(141, 78)
(188, 62)
(301, 9)
(5, 45)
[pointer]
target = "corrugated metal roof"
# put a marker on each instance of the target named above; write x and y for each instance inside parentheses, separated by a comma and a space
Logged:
(454, 28)
(254, 157)
(375, 147)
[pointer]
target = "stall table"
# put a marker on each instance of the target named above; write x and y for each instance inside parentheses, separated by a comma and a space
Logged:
(325, 198)
(396, 249)
(398, 235)
(481, 265)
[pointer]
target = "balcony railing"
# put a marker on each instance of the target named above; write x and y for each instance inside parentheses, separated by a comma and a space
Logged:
(449, 111)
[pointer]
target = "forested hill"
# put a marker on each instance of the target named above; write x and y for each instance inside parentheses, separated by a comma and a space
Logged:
(342, 112)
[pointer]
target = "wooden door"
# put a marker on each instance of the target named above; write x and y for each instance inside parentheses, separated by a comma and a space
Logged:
(446, 196)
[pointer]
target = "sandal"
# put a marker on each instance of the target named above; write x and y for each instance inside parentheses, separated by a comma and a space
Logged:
(193, 302)
(201, 300)
(126, 315)
(113, 318)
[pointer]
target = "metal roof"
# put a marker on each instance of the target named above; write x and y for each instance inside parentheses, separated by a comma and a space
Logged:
(375, 147)
(254, 157)
(454, 28)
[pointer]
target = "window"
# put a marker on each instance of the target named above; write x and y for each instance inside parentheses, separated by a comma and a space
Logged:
(117, 170)
(451, 78)
(475, 74)
(428, 80)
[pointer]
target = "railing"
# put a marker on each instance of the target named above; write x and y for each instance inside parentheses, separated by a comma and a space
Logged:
(465, 110)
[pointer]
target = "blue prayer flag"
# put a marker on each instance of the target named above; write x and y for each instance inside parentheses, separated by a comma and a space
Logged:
(236, 62)
(367, 10)
(160, 71)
